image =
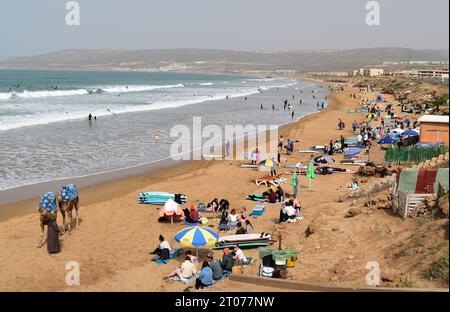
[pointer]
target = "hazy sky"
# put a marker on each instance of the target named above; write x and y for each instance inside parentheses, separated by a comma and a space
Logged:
(29, 27)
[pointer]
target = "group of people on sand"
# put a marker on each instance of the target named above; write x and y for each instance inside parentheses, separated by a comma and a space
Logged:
(212, 270)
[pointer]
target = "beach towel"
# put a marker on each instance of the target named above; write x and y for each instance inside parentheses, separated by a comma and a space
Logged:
(69, 192)
(48, 202)
(173, 255)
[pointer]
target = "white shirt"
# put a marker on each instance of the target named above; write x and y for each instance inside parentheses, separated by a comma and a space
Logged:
(359, 137)
(289, 210)
(232, 218)
(240, 255)
(165, 245)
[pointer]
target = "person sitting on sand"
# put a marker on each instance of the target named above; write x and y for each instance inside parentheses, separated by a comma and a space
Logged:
(185, 272)
(192, 215)
(215, 267)
(214, 204)
(248, 227)
(240, 229)
(193, 258)
(280, 193)
(243, 215)
(232, 219)
(239, 256)
(288, 212)
(206, 277)
(223, 223)
(227, 260)
(272, 197)
(163, 250)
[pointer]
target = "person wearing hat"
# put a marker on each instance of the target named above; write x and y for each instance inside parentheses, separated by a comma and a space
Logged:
(215, 267)
(227, 260)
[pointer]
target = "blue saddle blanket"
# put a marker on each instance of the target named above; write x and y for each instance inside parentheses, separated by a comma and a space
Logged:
(48, 202)
(69, 192)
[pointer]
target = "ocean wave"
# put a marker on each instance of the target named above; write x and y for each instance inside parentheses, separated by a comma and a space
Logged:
(43, 119)
(94, 90)
(206, 84)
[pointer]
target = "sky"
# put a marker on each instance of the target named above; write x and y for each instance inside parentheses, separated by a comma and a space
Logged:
(30, 27)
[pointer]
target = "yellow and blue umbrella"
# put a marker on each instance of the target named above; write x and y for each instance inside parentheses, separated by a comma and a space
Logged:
(196, 236)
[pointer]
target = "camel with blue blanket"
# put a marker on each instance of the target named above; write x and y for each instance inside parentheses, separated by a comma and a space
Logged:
(68, 200)
(47, 213)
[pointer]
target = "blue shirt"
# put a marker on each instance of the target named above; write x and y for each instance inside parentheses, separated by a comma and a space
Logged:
(206, 276)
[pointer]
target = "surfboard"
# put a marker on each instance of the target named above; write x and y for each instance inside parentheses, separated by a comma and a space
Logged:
(243, 245)
(212, 156)
(244, 238)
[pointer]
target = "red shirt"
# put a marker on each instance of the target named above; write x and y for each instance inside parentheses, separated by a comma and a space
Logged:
(272, 197)
(194, 215)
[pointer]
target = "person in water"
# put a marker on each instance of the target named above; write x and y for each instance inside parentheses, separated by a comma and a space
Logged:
(262, 107)
(157, 136)
(90, 117)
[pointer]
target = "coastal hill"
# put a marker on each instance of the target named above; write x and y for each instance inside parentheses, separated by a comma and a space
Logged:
(223, 61)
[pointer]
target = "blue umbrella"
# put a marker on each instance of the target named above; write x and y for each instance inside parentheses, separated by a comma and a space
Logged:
(410, 133)
(353, 151)
(387, 141)
(392, 134)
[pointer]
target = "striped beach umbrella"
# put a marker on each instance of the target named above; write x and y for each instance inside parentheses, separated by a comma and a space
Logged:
(197, 236)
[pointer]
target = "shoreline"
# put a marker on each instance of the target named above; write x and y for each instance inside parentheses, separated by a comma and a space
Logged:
(14, 203)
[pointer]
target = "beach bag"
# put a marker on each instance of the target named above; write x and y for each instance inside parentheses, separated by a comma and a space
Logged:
(164, 254)
(203, 220)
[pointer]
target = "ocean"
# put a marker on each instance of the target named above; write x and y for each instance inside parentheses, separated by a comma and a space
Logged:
(45, 134)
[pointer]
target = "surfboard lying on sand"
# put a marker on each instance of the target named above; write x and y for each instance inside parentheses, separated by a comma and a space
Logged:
(243, 245)
(212, 156)
(247, 166)
(160, 198)
(243, 238)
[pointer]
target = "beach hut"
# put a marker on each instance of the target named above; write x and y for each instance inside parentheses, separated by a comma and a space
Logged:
(415, 185)
(434, 129)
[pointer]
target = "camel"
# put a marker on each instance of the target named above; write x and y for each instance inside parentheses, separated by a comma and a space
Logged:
(44, 218)
(67, 207)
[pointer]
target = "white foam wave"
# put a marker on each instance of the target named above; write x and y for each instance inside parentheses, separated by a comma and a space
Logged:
(206, 84)
(139, 88)
(109, 89)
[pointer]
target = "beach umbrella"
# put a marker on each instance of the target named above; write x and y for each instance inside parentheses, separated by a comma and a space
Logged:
(387, 141)
(398, 130)
(196, 236)
(410, 133)
(324, 159)
(268, 165)
(352, 151)
(311, 174)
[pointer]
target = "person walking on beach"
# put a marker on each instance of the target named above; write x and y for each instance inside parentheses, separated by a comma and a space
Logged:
(354, 126)
(285, 104)
(292, 115)
(227, 148)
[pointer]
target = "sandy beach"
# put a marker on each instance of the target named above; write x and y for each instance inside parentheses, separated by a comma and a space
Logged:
(116, 234)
